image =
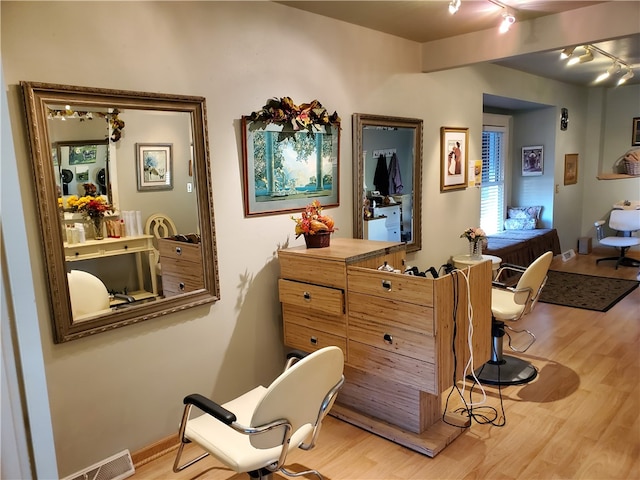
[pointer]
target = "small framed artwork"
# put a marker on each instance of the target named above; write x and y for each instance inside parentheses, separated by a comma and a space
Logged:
(635, 135)
(154, 166)
(532, 161)
(454, 143)
(571, 169)
(82, 154)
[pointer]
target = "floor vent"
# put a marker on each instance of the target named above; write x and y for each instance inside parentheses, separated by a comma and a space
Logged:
(116, 467)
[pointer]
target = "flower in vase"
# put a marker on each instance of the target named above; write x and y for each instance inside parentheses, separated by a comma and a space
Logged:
(475, 235)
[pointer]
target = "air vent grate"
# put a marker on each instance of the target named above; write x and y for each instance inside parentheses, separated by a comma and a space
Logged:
(117, 467)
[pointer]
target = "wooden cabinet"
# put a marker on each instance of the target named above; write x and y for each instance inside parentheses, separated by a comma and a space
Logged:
(395, 330)
(181, 264)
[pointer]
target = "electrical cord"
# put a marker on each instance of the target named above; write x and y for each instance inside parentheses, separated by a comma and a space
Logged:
(474, 411)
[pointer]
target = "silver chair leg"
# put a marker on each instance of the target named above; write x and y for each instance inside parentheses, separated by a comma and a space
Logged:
(299, 474)
(524, 330)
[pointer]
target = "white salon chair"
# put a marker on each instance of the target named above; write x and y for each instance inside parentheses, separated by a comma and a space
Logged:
(88, 294)
(511, 304)
(625, 222)
(254, 433)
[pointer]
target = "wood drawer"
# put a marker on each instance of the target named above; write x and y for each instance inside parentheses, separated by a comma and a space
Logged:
(393, 339)
(181, 267)
(393, 367)
(411, 316)
(312, 270)
(312, 297)
(189, 252)
(310, 339)
(176, 284)
(333, 324)
(395, 286)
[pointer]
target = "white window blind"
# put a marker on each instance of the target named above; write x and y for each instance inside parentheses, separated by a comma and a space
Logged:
(492, 191)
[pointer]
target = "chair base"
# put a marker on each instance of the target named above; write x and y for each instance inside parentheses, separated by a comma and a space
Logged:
(624, 261)
(510, 371)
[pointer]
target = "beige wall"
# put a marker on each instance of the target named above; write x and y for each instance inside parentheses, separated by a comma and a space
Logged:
(123, 389)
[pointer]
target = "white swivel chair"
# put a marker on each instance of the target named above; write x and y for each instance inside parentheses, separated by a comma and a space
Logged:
(511, 304)
(87, 293)
(625, 222)
(254, 432)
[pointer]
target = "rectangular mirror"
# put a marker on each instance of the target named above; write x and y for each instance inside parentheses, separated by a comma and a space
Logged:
(387, 176)
(116, 254)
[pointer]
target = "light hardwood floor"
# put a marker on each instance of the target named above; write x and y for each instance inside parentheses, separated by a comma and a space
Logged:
(578, 420)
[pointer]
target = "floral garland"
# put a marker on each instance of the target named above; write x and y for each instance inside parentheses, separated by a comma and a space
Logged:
(117, 124)
(307, 116)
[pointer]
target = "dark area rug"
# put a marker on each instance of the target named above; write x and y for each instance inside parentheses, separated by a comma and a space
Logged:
(585, 291)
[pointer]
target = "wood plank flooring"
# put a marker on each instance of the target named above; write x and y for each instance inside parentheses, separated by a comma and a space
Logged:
(579, 419)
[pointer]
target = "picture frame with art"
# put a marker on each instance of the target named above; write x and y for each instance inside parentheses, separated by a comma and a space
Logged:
(571, 169)
(154, 166)
(635, 132)
(532, 160)
(454, 146)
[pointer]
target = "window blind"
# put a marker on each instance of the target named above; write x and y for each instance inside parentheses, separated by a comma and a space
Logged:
(492, 191)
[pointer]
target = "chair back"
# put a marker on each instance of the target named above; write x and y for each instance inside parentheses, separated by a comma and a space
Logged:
(298, 395)
(625, 220)
(160, 226)
(532, 281)
(87, 293)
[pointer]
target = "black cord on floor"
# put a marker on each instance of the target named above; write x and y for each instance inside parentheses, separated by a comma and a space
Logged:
(483, 414)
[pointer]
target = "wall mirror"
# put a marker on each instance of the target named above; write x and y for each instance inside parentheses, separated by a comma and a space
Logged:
(116, 254)
(387, 176)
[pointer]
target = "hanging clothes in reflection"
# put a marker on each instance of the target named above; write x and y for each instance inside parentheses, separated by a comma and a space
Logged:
(395, 178)
(381, 176)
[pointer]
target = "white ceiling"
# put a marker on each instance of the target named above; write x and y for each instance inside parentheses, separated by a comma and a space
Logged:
(427, 20)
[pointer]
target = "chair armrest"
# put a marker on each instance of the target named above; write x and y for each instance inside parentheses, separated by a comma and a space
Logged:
(210, 407)
(298, 354)
(293, 357)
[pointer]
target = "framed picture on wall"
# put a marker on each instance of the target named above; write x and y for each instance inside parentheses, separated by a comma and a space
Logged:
(454, 143)
(285, 169)
(571, 169)
(532, 161)
(154, 166)
(635, 135)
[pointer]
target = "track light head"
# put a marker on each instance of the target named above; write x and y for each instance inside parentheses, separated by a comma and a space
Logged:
(612, 70)
(454, 5)
(626, 76)
(567, 52)
(507, 20)
(586, 57)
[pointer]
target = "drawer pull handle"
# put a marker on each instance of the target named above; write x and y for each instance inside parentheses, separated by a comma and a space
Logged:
(307, 296)
(181, 285)
(314, 341)
(388, 338)
(178, 251)
(386, 284)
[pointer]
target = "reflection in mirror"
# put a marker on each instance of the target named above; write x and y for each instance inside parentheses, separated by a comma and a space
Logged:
(387, 176)
(102, 233)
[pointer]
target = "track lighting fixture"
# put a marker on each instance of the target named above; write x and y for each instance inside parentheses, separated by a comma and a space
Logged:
(617, 64)
(507, 20)
(567, 52)
(454, 5)
(626, 76)
(586, 57)
(612, 70)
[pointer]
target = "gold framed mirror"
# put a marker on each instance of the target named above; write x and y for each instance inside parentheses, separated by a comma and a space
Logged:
(387, 179)
(146, 268)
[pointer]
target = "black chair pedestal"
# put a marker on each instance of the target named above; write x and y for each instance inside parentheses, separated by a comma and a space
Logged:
(504, 369)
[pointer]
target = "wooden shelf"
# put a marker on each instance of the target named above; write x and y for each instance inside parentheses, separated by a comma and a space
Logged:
(615, 176)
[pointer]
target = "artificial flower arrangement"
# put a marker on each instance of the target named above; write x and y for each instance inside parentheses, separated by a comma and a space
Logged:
(93, 207)
(307, 116)
(475, 235)
(313, 222)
